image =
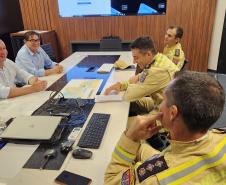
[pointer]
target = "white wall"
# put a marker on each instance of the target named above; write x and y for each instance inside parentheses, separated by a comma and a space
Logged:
(216, 35)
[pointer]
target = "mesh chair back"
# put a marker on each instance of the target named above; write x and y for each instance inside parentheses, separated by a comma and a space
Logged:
(110, 44)
(49, 51)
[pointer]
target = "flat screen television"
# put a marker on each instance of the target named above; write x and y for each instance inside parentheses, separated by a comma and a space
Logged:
(79, 8)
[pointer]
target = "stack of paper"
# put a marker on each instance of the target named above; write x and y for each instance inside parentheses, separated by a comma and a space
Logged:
(105, 68)
(108, 98)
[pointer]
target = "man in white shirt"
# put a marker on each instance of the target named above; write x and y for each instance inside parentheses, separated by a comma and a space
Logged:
(33, 59)
(10, 74)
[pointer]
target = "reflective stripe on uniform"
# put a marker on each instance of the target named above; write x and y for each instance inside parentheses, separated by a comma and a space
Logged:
(123, 156)
(186, 171)
(163, 61)
(159, 61)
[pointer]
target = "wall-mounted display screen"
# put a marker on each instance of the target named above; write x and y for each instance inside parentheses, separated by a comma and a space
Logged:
(78, 8)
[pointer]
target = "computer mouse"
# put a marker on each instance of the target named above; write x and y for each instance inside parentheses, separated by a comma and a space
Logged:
(82, 154)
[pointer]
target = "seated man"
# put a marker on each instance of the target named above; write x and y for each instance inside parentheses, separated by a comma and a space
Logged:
(173, 49)
(192, 103)
(32, 58)
(10, 73)
(145, 89)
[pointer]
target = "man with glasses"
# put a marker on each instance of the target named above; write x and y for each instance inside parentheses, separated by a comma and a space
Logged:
(32, 58)
(10, 74)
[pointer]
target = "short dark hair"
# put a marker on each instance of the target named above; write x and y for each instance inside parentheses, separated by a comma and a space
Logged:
(179, 31)
(145, 44)
(199, 98)
(30, 33)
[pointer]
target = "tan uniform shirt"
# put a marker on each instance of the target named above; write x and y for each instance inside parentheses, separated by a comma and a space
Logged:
(152, 82)
(176, 54)
(199, 162)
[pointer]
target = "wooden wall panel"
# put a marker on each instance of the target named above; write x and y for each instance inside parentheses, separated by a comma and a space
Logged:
(195, 16)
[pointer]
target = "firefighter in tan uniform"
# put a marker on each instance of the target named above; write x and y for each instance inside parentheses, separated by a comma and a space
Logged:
(173, 49)
(196, 155)
(145, 89)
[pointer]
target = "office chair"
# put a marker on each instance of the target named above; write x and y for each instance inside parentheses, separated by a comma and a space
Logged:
(111, 43)
(17, 43)
(49, 51)
(185, 65)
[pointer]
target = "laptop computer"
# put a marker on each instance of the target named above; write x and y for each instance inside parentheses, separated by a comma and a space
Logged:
(31, 127)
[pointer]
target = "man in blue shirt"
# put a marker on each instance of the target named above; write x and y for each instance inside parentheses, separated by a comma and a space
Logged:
(32, 58)
(10, 73)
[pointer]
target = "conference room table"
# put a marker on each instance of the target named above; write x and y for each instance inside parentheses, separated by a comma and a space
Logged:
(13, 156)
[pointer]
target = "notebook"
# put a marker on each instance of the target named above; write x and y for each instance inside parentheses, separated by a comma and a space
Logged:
(31, 127)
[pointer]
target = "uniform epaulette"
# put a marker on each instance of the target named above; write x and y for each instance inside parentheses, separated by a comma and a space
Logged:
(177, 52)
(151, 167)
(219, 130)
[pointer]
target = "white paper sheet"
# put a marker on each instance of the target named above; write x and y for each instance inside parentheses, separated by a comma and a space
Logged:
(82, 88)
(108, 98)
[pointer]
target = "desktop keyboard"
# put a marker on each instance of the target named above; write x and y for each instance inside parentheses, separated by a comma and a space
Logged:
(94, 131)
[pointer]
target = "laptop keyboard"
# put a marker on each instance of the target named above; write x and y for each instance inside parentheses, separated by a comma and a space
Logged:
(94, 131)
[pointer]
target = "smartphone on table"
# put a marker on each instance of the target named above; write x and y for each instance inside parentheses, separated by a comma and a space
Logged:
(69, 178)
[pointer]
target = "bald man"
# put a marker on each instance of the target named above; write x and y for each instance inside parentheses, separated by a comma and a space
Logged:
(10, 74)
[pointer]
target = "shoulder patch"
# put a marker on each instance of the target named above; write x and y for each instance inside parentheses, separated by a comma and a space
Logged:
(151, 167)
(127, 178)
(177, 52)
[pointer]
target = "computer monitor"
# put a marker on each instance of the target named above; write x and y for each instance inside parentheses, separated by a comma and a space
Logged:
(79, 8)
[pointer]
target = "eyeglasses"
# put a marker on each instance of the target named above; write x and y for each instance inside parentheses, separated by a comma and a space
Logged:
(33, 41)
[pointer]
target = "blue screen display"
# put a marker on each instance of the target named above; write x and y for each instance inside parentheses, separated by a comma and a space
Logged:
(78, 8)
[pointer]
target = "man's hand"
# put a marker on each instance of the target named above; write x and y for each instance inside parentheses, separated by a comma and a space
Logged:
(134, 79)
(39, 85)
(143, 128)
(36, 86)
(32, 80)
(58, 68)
(116, 87)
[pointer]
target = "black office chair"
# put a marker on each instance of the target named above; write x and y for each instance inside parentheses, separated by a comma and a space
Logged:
(49, 51)
(111, 43)
(185, 65)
